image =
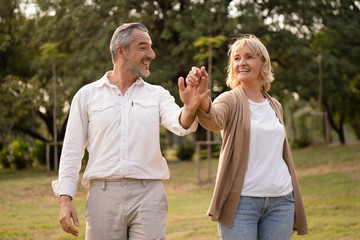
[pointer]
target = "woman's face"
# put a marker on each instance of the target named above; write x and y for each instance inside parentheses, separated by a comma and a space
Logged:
(247, 66)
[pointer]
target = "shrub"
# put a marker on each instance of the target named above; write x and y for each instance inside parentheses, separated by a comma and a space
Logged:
(5, 157)
(215, 152)
(301, 142)
(17, 155)
(185, 150)
(39, 152)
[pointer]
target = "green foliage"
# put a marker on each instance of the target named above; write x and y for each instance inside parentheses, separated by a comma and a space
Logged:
(50, 51)
(21, 155)
(303, 125)
(19, 101)
(185, 150)
(203, 45)
(18, 155)
(39, 151)
(215, 152)
(301, 142)
(5, 157)
(77, 34)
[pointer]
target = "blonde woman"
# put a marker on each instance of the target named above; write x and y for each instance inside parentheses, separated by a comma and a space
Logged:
(257, 194)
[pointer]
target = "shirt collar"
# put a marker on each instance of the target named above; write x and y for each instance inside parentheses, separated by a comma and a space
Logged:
(105, 81)
(139, 81)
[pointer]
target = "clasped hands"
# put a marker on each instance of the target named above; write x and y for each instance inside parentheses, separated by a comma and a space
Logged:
(196, 91)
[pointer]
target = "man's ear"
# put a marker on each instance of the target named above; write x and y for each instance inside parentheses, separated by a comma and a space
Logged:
(120, 52)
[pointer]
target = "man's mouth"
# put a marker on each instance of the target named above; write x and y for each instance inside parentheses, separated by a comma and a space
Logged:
(146, 62)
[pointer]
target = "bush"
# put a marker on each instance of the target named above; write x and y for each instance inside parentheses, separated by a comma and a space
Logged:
(185, 150)
(39, 152)
(301, 142)
(5, 157)
(215, 152)
(18, 155)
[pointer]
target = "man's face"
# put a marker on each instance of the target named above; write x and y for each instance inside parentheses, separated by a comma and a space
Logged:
(139, 54)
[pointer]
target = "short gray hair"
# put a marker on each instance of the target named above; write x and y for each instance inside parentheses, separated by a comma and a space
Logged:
(122, 37)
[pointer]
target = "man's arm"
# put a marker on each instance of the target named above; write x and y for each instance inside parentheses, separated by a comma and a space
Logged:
(68, 211)
(70, 163)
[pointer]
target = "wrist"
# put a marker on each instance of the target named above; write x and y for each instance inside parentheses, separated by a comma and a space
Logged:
(65, 198)
(190, 110)
(205, 104)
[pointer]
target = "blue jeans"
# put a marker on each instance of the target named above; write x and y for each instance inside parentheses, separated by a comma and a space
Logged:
(263, 218)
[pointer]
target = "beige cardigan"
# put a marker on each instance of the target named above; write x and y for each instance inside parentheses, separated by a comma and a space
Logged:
(230, 113)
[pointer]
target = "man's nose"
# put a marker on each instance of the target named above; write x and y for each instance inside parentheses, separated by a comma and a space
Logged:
(151, 54)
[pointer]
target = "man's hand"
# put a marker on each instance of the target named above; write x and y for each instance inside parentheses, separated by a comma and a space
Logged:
(68, 211)
(191, 97)
(199, 78)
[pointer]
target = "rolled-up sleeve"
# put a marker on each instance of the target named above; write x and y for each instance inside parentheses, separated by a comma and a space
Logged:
(178, 129)
(64, 187)
(170, 115)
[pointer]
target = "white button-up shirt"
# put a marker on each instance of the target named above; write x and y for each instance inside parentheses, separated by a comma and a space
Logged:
(121, 134)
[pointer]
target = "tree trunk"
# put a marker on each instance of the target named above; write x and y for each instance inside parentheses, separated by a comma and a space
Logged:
(356, 128)
(338, 129)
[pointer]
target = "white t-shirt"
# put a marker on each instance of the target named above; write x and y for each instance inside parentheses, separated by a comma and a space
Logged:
(267, 174)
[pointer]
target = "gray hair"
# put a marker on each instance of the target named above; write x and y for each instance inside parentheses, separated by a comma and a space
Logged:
(122, 37)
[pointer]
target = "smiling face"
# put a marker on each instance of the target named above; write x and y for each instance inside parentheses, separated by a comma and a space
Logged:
(251, 55)
(139, 54)
(247, 66)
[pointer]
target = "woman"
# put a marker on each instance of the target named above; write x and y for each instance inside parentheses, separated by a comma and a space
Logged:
(257, 194)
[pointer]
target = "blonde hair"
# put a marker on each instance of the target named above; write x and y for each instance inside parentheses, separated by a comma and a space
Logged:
(257, 48)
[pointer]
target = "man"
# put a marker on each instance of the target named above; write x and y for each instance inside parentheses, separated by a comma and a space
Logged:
(117, 119)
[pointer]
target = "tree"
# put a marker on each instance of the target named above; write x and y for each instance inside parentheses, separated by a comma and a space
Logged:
(295, 32)
(339, 43)
(18, 97)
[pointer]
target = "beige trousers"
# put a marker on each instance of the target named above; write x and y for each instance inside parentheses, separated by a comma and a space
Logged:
(126, 209)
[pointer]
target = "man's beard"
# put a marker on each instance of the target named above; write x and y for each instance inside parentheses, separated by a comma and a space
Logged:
(135, 68)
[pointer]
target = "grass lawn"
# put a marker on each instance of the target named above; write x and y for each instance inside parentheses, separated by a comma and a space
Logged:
(329, 179)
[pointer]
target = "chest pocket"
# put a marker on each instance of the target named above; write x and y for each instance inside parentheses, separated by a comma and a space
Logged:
(101, 114)
(146, 112)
